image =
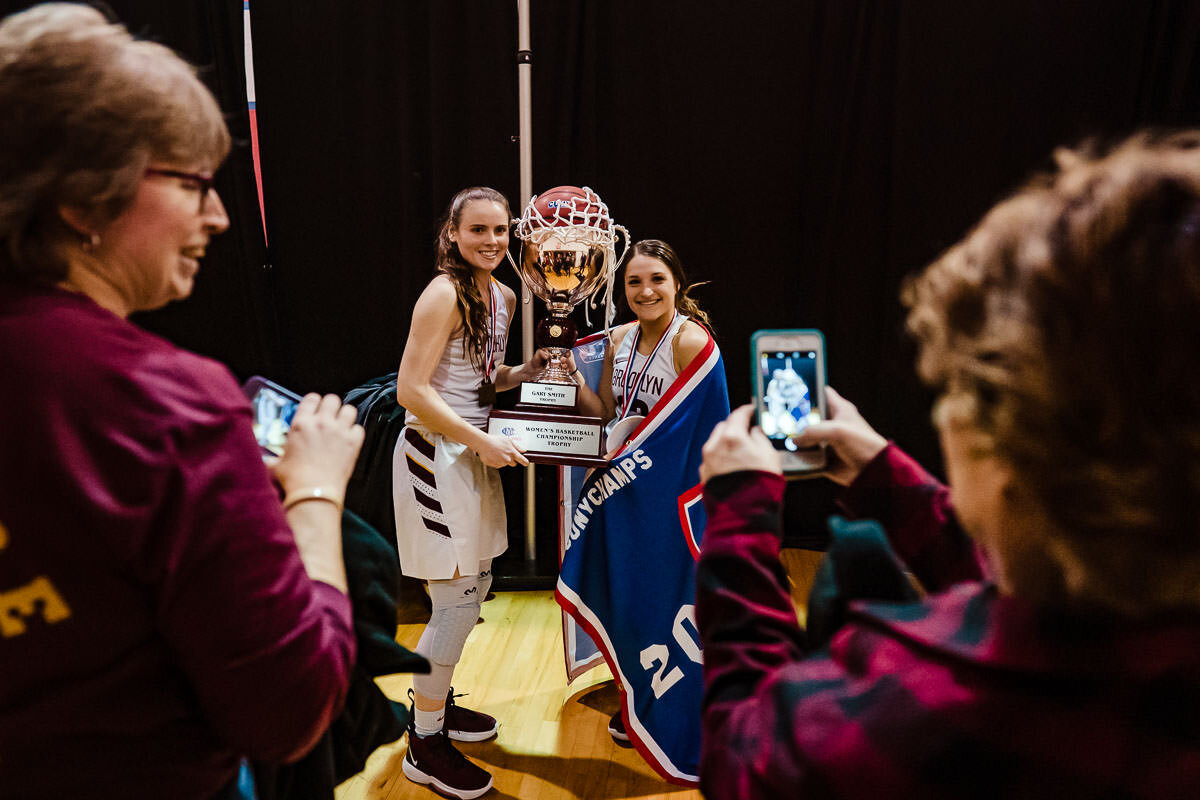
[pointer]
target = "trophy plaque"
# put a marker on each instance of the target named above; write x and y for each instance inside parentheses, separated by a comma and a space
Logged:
(568, 252)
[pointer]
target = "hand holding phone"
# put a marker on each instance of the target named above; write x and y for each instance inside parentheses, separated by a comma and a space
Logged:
(789, 393)
(733, 447)
(322, 446)
(852, 442)
(323, 443)
(274, 408)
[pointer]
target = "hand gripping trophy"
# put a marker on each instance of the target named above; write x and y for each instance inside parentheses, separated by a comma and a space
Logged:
(568, 254)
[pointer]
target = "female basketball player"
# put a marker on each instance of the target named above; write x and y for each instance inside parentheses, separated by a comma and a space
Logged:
(450, 520)
(644, 357)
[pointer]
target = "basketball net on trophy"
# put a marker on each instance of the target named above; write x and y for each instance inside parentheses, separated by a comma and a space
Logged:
(568, 252)
(570, 219)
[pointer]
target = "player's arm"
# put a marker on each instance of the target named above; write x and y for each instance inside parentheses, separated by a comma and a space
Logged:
(507, 377)
(434, 321)
(601, 403)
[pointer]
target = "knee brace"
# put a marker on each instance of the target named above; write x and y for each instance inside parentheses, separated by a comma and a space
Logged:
(455, 610)
(485, 578)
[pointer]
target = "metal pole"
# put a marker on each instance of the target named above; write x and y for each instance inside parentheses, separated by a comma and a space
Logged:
(525, 116)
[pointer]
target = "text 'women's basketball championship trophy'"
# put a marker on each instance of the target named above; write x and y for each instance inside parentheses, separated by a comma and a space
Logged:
(568, 253)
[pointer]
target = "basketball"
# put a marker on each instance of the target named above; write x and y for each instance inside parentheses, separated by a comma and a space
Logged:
(571, 205)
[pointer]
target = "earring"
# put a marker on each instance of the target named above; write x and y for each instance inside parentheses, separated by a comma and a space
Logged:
(91, 243)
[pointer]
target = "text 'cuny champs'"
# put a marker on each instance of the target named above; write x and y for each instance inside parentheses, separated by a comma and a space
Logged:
(618, 475)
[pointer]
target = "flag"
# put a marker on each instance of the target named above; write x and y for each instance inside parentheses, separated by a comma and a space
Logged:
(630, 537)
(580, 653)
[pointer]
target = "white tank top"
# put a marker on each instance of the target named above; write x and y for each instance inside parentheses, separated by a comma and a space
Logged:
(659, 373)
(457, 380)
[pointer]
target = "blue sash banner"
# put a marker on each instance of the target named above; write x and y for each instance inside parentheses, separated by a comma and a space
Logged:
(579, 651)
(629, 535)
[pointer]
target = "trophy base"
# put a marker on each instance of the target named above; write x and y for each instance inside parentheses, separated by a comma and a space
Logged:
(563, 439)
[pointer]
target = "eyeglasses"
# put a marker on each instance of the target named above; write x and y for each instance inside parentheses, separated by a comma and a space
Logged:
(203, 183)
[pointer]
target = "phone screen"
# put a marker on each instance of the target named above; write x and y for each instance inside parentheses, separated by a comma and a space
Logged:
(273, 408)
(789, 397)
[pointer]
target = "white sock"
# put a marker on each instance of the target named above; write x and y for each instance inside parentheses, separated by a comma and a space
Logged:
(427, 723)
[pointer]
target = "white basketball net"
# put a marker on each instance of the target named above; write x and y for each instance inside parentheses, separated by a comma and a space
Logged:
(582, 220)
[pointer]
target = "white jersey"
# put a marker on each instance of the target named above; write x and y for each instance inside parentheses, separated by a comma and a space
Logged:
(456, 379)
(450, 506)
(658, 375)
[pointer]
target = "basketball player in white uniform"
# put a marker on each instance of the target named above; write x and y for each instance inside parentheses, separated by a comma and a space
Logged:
(644, 357)
(450, 520)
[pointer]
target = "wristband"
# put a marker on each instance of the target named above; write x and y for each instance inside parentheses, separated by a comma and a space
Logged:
(580, 374)
(312, 493)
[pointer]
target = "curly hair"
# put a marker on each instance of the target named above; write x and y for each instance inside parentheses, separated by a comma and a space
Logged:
(87, 108)
(1065, 327)
(451, 264)
(661, 251)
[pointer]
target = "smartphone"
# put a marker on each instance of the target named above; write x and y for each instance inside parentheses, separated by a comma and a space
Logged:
(274, 407)
(789, 392)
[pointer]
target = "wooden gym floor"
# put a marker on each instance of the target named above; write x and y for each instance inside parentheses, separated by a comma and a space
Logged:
(553, 742)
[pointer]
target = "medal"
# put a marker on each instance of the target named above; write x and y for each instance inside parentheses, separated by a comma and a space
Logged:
(487, 389)
(487, 393)
(629, 388)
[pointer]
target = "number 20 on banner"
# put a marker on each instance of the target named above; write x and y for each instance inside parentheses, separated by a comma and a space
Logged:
(658, 654)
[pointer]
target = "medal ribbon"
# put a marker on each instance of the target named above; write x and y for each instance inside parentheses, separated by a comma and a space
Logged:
(489, 347)
(630, 396)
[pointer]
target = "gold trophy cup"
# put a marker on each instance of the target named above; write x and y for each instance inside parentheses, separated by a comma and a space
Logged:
(568, 252)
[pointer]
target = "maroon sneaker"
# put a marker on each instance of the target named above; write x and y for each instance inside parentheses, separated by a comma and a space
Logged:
(616, 729)
(465, 725)
(432, 761)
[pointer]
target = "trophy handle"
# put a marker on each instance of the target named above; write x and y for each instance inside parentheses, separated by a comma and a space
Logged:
(621, 229)
(610, 308)
(535, 290)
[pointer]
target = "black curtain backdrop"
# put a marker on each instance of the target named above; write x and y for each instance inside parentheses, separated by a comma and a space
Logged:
(801, 156)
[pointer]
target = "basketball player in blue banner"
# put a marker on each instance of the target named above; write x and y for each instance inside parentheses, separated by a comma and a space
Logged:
(627, 571)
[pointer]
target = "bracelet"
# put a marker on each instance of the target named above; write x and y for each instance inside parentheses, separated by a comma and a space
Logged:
(580, 374)
(312, 493)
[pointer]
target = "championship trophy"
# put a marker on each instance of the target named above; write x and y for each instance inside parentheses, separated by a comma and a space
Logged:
(568, 252)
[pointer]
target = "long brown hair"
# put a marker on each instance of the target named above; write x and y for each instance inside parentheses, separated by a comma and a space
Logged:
(661, 251)
(450, 263)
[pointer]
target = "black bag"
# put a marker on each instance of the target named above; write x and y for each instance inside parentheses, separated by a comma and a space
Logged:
(369, 492)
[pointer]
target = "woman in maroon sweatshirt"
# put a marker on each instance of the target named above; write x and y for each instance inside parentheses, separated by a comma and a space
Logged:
(162, 613)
